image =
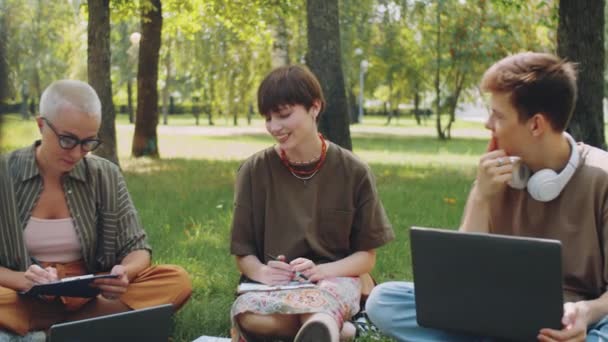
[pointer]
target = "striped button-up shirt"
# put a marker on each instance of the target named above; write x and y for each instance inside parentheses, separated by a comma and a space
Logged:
(106, 222)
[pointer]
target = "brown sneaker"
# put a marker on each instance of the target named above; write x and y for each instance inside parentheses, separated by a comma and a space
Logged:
(313, 331)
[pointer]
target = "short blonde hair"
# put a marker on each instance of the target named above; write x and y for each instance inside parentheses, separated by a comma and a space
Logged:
(70, 92)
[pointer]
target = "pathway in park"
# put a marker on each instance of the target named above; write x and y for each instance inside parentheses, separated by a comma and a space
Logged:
(428, 130)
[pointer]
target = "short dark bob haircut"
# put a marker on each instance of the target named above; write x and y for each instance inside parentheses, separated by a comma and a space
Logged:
(289, 85)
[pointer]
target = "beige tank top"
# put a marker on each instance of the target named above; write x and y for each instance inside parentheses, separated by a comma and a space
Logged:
(52, 240)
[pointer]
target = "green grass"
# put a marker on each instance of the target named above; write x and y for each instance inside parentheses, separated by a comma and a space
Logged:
(185, 202)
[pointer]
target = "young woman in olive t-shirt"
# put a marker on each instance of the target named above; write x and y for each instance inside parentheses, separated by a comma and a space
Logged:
(305, 210)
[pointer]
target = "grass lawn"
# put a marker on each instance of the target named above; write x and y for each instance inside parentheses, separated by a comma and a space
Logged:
(185, 199)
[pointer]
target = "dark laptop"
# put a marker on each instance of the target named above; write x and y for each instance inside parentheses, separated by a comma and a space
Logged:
(488, 285)
(149, 324)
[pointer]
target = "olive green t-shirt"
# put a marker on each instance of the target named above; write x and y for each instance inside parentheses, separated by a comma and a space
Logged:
(578, 217)
(326, 218)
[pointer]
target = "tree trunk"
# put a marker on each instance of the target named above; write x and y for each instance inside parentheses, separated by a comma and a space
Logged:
(417, 103)
(352, 104)
(145, 140)
(250, 114)
(4, 79)
(460, 78)
(35, 88)
(388, 112)
(437, 74)
(166, 88)
(36, 85)
(230, 108)
(325, 61)
(280, 45)
(210, 100)
(98, 63)
(196, 111)
(580, 39)
(130, 99)
(25, 95)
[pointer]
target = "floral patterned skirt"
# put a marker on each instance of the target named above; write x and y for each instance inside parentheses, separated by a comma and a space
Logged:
(338, 297)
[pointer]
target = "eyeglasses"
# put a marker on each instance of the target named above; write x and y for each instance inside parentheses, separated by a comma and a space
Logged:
(68, 142)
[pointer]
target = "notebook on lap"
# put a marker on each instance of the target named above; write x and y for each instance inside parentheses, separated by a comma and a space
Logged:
(149, 324)
(487, 285)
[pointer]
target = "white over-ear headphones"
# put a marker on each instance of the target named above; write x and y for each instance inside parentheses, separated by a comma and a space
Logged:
(545, 185)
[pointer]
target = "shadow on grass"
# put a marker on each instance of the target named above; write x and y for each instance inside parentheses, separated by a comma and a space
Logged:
(186, 207)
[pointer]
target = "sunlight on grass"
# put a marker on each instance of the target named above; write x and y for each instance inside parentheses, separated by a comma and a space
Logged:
(17, 133)
(433, 160)
(173, 143)
(143, 165)
(197, 232)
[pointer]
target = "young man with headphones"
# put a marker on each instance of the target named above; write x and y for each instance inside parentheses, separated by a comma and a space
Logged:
(565, 198)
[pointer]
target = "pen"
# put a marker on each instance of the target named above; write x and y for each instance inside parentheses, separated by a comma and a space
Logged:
(36, 262)
(298, 274)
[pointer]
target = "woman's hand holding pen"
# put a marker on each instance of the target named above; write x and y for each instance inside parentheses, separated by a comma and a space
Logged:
(309, 269)
(276, 272)
(37, 274)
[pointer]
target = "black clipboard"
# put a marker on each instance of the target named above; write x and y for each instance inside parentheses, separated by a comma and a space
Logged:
(69, 287)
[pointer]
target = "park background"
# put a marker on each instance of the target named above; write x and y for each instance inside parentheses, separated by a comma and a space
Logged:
(177, 80)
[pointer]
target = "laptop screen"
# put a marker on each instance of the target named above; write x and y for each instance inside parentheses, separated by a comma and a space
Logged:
(479, 283)
(149, 324)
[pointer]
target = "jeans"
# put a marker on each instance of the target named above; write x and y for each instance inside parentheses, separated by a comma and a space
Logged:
(392, 308)
(34, 336)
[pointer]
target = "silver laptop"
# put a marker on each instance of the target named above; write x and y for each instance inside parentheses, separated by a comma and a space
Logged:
(149, 324)
(487, 285)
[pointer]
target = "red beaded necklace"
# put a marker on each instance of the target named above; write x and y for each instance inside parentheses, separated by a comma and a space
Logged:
(306, 172)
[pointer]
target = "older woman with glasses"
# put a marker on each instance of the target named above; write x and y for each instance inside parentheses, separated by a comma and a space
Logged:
(65, 213)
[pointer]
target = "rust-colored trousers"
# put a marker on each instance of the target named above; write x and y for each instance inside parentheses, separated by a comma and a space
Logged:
(155, 285)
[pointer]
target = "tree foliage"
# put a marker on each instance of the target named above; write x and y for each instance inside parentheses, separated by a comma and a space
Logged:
(432, 53)
(214, 53)
(45, 40)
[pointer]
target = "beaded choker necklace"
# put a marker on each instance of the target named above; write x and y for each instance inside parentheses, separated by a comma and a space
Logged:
(306, 174)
